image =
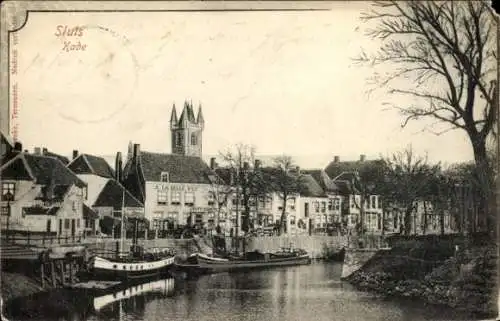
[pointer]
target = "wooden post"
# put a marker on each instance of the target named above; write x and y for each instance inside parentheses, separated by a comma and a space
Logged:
(61, 265)
(42, 274)
(71, 271)
(53, 273)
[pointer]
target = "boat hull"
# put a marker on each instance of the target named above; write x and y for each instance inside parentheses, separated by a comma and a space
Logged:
(208, 265)
(103, 269)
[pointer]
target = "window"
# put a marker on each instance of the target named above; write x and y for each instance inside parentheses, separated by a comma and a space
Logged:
(211, 200)
(176, 198)
(5, 211)
(337, 204)
(189, 198)
(74, 205)
(323, 207)
(261, 202)
(156, 224)
(66, 223)
(161, 197)
(8, 191)
(330, 205)
(178, 139)
(78, 223)
(372, 201)
(85, 193)
(164, 177)
(292, 219)
(194, 139)
(316, 206)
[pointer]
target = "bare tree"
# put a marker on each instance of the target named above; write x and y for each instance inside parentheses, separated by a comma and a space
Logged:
(220, 192)
(408, 179)
(286, 183)
(248, 182)
(445, 53)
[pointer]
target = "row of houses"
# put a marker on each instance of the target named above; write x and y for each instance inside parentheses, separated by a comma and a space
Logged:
(47, 193)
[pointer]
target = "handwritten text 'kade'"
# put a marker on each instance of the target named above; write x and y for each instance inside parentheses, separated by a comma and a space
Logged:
(74, 33)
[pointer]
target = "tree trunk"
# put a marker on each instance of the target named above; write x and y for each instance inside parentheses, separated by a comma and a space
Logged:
(362, 213)
(424, 223)
(484, 184)
(283, 215)
(407, 219)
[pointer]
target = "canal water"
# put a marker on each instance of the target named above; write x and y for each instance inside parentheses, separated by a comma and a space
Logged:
(311, 293)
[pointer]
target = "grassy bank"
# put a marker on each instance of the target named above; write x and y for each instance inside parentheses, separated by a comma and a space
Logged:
(435, 274)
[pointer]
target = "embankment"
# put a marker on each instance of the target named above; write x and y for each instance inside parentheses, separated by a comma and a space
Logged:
(433, 272)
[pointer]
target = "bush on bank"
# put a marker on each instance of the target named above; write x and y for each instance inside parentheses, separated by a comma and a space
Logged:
(466, 281)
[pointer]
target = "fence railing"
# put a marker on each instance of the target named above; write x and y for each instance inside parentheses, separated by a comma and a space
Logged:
(37, 239)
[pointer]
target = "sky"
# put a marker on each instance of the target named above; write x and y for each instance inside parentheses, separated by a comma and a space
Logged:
(284, 82)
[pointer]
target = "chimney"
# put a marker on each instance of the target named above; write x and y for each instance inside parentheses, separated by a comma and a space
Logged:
(336, 159)
(118, 167)
(44, 151)
(75, 154)
(362, 158)
(213, 164)
(137, 150)
(18, 147)
(37, 151)
(257, 163)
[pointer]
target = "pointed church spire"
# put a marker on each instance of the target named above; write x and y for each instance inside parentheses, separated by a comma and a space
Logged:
(184, 119)
(200, 119)
(173, 117)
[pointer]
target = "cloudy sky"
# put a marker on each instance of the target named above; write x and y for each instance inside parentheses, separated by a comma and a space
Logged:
(282, 81)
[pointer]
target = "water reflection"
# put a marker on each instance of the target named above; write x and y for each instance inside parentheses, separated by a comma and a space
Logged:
(295, 293)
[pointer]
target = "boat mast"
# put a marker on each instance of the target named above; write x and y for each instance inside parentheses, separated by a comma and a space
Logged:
(122, 223)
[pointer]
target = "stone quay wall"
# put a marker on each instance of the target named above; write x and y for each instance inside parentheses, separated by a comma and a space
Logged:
(355, 259)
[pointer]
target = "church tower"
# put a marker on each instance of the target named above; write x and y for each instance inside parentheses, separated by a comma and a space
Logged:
(187, 131)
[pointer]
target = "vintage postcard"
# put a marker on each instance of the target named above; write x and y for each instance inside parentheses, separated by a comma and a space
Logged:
(249, 160)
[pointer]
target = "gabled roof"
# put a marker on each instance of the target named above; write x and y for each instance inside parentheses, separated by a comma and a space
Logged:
(180, 168)
(44, 170)
(7, 138)
(90, 164)
(349, 175)
(88, 213)
(63, 159)
(224, 173)
(112, 196)
(309, 187)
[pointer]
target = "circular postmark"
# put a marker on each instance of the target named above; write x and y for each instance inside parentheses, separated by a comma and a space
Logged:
(100, 72)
